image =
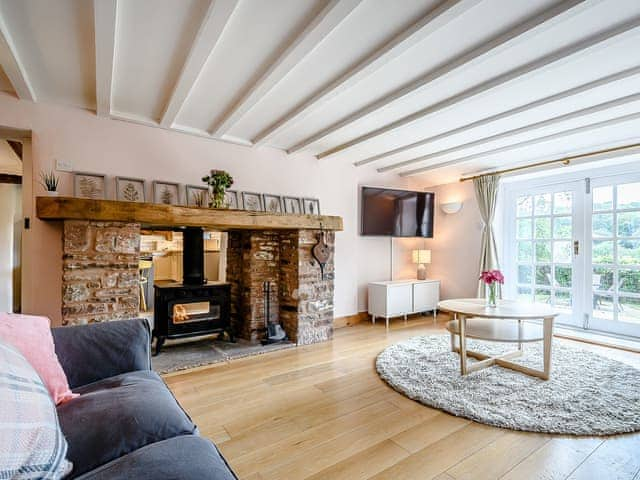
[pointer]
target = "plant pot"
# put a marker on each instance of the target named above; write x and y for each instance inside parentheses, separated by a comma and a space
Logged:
(51, 193)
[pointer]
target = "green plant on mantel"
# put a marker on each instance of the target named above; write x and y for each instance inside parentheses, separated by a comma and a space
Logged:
(218, 181)
(49, 181)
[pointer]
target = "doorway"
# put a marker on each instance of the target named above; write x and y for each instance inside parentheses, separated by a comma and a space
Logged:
(11, 215)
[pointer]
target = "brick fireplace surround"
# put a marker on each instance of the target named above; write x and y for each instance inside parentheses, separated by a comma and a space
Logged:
(100, 278)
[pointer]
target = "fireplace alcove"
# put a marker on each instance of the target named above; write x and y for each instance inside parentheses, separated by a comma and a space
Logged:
(101, 249)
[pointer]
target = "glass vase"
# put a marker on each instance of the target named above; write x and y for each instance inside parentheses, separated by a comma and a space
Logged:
(492, 299)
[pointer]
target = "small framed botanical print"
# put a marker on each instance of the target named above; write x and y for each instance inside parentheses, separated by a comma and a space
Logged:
(272, 203)
(197, 196)
(292, 205)
(231, 199)
(252, 202)
(311, 206)
(89, 185)
(166, 192)
(130, 189)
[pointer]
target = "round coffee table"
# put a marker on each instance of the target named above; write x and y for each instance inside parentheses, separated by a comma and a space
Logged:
(507, 322)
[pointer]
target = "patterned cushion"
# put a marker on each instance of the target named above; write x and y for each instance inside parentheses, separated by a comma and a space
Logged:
(31, 444)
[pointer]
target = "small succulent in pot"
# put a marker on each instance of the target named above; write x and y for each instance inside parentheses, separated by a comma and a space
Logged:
(218, 181)
(49, 182)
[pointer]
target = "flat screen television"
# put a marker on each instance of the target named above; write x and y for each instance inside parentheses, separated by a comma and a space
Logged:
(396, 213)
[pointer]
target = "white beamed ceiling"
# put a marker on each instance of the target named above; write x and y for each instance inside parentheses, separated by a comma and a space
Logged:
(337, 79)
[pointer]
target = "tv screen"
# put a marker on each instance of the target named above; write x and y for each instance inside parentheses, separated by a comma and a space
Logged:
(397, 213)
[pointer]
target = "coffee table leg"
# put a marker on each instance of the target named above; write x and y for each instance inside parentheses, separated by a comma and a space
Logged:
(462, 326)
(548, 339)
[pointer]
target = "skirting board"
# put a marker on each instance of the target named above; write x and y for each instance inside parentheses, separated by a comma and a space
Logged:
(350, 320)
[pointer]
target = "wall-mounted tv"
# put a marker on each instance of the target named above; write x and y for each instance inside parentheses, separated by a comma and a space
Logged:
(397, 213)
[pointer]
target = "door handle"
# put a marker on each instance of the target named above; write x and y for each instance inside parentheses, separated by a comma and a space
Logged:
(576, 247)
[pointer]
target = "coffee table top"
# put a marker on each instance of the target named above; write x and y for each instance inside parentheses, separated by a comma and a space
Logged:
(477, 307)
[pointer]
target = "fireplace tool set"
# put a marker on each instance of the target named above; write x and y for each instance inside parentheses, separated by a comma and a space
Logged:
(273, 331)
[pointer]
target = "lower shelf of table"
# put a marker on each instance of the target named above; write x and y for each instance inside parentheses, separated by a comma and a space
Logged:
(499, 330)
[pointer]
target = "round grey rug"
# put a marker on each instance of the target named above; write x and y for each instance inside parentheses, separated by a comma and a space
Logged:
(587, 394)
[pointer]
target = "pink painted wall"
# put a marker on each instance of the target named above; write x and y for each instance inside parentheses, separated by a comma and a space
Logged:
(112, 147)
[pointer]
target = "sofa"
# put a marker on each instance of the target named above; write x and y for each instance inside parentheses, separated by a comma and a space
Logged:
(126, 423)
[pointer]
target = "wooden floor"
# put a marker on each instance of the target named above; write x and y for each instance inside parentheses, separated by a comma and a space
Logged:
(321, 412)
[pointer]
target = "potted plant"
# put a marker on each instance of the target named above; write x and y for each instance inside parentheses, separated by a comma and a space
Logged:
(49, 182)
(491, 278)
(218, 181)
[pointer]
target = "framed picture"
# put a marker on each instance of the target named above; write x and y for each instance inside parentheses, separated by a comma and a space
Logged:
(252, 202)
(311, 206)
(231, 199)
(130, 189)
(272, 203)
(292, 205)
(197, 196)
(166, 192)
(89, 185)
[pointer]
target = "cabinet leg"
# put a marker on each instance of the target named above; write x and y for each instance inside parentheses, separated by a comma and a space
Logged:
(373, 319)
(405, 318)
(387, 322)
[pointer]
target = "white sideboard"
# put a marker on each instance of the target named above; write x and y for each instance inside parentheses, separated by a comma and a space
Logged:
(397, 298)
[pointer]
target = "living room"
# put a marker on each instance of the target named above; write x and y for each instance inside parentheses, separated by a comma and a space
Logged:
(321, 239)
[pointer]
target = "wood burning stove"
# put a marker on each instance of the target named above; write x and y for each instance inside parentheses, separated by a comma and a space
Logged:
(195, 306)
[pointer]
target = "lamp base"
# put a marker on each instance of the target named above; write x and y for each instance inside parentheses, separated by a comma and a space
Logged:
(422, 272)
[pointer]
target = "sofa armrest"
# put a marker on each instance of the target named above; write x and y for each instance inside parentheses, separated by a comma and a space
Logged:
(89, 353)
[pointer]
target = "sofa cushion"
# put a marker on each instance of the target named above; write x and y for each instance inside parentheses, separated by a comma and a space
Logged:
(180, 458)
(31, 442)
(118, 415)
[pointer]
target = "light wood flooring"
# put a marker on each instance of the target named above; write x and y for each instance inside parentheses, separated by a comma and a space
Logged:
(321, 412)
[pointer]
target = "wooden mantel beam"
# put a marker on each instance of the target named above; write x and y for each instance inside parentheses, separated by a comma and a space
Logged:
(155, 215)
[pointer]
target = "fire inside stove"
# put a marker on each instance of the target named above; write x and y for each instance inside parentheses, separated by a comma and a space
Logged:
(194, 312)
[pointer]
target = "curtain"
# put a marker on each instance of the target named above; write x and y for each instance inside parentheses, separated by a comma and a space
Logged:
(486, 190)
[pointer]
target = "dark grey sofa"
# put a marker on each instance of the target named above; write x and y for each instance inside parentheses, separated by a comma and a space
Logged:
(126, 423)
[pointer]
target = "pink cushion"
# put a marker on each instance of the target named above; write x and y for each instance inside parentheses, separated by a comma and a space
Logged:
(31, 335)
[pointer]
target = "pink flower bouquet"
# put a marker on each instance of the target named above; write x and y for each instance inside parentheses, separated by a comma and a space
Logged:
(492, 278)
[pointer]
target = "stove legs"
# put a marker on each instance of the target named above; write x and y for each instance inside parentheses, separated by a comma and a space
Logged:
(159, 343)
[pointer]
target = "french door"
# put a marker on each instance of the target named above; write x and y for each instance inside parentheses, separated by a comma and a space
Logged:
(576, 245)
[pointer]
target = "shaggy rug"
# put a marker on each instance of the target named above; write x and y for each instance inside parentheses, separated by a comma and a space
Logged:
(587, 394)
(183, 354)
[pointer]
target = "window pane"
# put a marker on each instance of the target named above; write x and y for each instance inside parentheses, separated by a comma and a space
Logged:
(602, 225)
(543, 251)
(542, 204)
(629, 281)
(525, 253)
(603, 306)
(543, 275)
(563, 300)
(542, 295)
(562, 252)
(629, 252)
(602, 251)
(524, 294)
(524, 273)
(562, 227)
(563, 276)
(562, 202)
(602, 278)
(603, 198)
(524, 228)
(629, 224)
(629, 309)
(525, 204)
(542, 227)
(629, 195)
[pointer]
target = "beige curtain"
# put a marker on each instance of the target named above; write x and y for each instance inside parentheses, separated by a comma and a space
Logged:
(486, 189)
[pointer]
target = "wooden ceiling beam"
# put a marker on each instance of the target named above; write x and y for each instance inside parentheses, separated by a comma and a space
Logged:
(435, 19)
(208, 37)
(527, 143)
(559, 56)
(105, 14)
(566, 94)
(474, 56)
(532, 127)
(13, 66)
(321, 26)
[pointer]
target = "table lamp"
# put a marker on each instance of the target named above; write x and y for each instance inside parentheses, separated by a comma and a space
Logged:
(421, 257)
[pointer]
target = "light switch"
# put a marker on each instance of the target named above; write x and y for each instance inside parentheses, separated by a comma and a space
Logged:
(64, 165)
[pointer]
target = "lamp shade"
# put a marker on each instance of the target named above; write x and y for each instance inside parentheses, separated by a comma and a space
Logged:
(421, 256)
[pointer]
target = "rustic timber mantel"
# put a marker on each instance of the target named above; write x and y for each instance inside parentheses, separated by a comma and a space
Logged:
(155, 215)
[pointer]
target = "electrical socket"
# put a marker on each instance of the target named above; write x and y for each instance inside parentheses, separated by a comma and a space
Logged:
(64, 165)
